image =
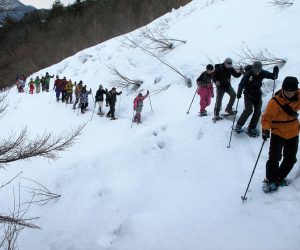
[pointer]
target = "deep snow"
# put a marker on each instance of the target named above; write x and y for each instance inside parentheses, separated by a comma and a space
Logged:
(169, 183)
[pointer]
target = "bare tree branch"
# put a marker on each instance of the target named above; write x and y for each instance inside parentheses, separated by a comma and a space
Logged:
(247, 56)
(281, 3)
(22, 148)
(41, 195)
(7, 183)
(3, 103)
(124, 82)
(135, 44)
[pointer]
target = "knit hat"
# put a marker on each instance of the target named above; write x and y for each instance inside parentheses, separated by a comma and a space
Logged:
(114, 88)
(290, 83)
(209, 67)
(257, 67)
(228, 61)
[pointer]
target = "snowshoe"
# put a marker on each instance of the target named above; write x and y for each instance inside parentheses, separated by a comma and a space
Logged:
(253, 132)
(282, 183)
(238, 129)
(269, 187)
(204, 113)
(230, 112)
(217, 118)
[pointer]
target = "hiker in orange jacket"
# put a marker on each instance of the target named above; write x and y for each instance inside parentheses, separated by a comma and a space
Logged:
(281, 119)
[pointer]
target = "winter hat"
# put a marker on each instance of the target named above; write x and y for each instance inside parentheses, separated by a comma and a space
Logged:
(290, 83)
(209, 67)
(80, 82)
(114, 88)
(257, 67)
(140, 95)
(101, 87)
(228, 61)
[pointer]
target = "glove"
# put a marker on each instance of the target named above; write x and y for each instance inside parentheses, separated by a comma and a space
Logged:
(275, 72)
(218, 83)
(212, 95)
(242, 70)
(147, 91)
(121, 92)
(239, 95)
(265, 134)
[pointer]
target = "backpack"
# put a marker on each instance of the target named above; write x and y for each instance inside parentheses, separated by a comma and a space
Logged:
(218, 66)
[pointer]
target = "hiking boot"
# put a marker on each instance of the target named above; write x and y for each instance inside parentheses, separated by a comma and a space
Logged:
(113, 118)
(269, 187)
(238, 129)
(203, 113)
(252, 132)
(230, 111)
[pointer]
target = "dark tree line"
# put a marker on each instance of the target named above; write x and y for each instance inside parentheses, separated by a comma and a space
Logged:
(43, 38)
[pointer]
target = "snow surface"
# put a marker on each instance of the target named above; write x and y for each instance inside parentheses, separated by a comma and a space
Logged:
(169, 183)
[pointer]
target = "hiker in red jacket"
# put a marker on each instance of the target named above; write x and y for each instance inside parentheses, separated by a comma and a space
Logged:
(138, 106)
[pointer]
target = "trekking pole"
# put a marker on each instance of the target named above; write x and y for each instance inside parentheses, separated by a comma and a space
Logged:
(273, 88)
(132, 119)
(93, 111)
(237, 104)
(244, 198)
(191, 103)
(150, 103)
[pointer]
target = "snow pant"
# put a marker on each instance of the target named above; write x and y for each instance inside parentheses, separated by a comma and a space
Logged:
(63, 95)
(289, 147)
(47, 87)
(111, 111)
(69, 97)
(220, 93)
(205, 98)
(137, 117)
(250, 104)
(57, 94)
(83, 106)
(43, 87)
(31, 90)
(76, 100)
(100, 110)
(38, 89)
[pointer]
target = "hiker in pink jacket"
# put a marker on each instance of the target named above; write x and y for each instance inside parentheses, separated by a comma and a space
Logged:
(205, 89)
(138, 106)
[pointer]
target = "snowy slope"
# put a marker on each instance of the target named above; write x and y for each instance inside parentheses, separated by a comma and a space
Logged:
(170, 183)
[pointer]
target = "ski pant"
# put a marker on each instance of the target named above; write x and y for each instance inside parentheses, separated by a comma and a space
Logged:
(111, 111)
(100, 110)
(205, 97)
(279, 145)
(69, 97)
(137, 117)
(250, 104)
(38, 89)
(83, 106)
(47, 87)
(63, 95)
(31, 90)
(77, 97)
(57, 94)
(220, 93)
(43, 87)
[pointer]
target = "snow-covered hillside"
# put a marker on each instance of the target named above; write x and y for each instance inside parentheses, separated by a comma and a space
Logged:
(169, 183)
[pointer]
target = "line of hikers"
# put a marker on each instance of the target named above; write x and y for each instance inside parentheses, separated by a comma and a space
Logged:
(280, 118)
(64, 88)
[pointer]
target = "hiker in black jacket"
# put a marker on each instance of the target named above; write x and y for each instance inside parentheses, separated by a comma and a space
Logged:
(99, 99)
(251, 84)
(112, 99)
(222, 76)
